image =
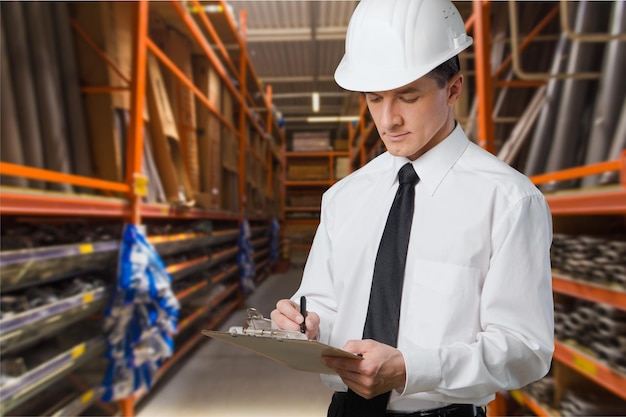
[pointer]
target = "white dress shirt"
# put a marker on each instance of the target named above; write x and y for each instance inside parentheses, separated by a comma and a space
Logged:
(476, 312)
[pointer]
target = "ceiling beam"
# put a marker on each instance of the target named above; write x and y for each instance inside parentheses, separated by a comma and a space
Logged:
(327, 33)
(302, 94)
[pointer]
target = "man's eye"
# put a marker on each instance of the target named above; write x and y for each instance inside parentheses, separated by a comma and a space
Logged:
(409, 99)
(373, 99)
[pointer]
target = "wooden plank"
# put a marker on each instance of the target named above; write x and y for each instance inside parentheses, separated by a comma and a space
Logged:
(209, 134)
(178, 49)
(163, 134)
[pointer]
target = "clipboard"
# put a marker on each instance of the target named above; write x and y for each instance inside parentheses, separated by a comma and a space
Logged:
(291, 349)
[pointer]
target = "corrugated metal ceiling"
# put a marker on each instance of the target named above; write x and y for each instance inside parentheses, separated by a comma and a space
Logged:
(295, 46)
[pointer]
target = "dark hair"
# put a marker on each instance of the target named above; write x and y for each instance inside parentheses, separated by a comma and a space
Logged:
(444, 72)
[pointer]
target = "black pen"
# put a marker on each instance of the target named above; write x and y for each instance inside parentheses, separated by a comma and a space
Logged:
(303, 312)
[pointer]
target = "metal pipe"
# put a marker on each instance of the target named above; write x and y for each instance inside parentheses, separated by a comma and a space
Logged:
(585, 37)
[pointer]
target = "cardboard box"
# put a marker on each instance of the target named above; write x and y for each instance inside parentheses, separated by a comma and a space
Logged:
(311, 142)
(341, 145)
(307, 172)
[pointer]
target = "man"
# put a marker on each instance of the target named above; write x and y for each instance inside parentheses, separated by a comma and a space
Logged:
(475, 304)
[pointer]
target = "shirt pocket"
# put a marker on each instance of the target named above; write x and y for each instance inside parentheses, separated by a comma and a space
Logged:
(441, 303)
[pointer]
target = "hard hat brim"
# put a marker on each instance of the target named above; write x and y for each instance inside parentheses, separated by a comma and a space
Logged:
(366, 80)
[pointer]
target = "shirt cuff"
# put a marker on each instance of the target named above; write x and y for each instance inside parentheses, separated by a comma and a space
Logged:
(423, 370)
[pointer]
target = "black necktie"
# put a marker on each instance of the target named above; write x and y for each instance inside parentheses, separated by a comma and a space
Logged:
(383, 313)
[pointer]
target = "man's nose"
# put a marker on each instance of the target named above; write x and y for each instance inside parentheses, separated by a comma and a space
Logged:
(390, 116)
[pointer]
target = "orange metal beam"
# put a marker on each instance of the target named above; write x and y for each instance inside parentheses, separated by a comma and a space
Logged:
(609, 202)
(209, 27)
(48, 204)
(217, 65)
(15, 170)
(183, 78)
(590, 292)
(484, 81)
(243, 84)
(572, 173)
(98, 50)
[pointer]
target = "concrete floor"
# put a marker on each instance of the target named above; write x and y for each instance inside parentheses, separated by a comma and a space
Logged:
(221, 380)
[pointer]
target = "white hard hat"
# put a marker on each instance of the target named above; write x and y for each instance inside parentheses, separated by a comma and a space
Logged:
(391, 43)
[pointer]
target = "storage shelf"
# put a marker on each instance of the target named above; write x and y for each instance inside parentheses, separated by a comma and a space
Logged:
(260, 241)
(188, 291)
(23, 267)
(224, 275)
(301, 246)
(222, 315)
(303, 209)
(60, 204)
(28, 385)
(170, 244)
(45, 320)
(223, 236)
(533, 405)
(218, 257)
(218, 298)
(295, 154)
(261, 254)
(589, 291)
(181, 270)
(81, 403)
(588, 366)
(190, 319)
(319, 183)
(165, 211)
(27, 202)
(261, 265)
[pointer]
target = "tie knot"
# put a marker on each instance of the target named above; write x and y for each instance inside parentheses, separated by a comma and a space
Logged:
(407, 175)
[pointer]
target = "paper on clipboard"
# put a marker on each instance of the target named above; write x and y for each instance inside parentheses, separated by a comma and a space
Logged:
(287, 348)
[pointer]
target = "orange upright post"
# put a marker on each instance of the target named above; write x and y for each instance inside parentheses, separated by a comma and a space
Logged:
(484, 82)
(134, 160)
(242, 113)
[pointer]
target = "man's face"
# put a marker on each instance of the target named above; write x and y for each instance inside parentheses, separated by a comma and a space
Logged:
(414, 118)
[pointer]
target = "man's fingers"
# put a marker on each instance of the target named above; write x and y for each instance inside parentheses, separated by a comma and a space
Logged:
(287, 316)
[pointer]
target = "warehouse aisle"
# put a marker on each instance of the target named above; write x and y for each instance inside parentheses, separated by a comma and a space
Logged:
(219, 380)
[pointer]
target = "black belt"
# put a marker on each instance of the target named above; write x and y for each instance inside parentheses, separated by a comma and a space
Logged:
(452, 410)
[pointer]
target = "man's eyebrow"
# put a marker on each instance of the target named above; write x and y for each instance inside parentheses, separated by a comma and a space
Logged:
(408, 90)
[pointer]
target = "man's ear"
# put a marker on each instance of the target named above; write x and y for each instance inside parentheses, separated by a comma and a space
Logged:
(455, 87)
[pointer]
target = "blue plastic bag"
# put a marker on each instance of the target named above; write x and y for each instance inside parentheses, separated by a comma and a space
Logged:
(140, 320)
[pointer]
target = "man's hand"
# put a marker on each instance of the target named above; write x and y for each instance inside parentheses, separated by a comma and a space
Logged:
(382, 368)
(287, 316)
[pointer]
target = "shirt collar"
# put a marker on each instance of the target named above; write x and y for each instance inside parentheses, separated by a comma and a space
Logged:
(434, 165)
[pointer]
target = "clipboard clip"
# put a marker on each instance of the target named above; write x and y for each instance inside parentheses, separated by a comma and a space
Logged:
(257, 325)
(256, 321)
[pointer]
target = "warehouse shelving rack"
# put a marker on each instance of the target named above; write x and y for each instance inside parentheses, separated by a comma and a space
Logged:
(220, 263)
(607, 201)
(300, 219)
